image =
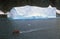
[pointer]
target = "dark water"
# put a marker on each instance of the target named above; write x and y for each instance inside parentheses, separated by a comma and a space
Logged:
(58, 26)
(31, 29)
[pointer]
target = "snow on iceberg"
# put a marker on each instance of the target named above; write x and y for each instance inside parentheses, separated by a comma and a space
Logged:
(32, 12)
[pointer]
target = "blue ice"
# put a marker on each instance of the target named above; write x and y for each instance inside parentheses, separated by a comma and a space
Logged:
(32, 12)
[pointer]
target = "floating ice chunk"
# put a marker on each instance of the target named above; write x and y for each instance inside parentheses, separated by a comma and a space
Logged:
(32, 12)
(57, 11)
(1, 12)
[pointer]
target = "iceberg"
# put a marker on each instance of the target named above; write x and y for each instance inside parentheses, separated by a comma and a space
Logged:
(32, 12)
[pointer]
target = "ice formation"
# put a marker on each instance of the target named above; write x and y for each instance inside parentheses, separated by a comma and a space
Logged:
(32, 12)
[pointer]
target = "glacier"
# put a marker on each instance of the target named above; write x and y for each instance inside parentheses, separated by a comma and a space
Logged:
(32, 12)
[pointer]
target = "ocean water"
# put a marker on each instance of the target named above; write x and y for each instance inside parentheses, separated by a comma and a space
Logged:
(29, 29)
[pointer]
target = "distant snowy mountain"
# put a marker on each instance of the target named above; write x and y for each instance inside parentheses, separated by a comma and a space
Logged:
(32, 12)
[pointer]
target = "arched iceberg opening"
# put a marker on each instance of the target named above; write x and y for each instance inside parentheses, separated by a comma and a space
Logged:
(32, 12)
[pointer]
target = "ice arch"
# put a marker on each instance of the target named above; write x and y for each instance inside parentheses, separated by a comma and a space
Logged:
(32, 12)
